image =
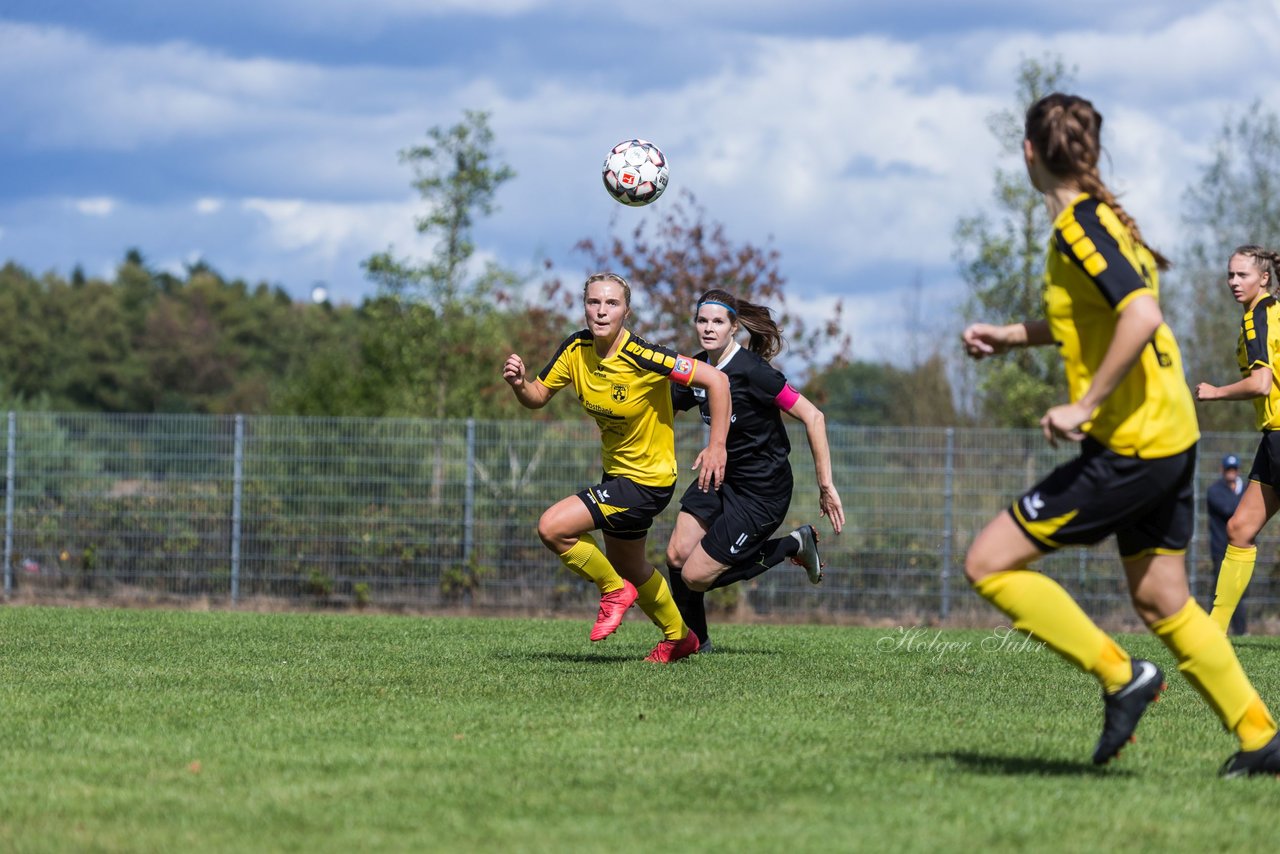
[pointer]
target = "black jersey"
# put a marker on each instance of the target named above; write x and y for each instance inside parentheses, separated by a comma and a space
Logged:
(757, 448)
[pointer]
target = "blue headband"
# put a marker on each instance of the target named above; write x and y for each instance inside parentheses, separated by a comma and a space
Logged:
(726, 306)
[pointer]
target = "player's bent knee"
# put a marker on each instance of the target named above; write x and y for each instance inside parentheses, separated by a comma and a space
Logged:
(975, 569)
(697, 582)
(1241, 532)
(553, 536)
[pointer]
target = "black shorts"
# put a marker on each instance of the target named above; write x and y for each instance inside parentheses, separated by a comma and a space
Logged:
(1266, 463)
(737, 521)
(624, 509)
(1148, 504)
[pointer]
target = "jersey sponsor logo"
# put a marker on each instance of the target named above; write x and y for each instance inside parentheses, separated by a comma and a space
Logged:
(1033, 504)
(599, 410)
(619, 392)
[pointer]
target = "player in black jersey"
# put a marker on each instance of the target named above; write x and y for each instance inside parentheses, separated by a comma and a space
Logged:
(722, 537)
(621, 381)
(1133, 415)
(1251, 276)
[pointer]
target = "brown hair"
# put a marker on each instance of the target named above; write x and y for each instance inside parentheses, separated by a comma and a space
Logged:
(608, 277)
(1265, 260)
(766, 338)
(1066, 131)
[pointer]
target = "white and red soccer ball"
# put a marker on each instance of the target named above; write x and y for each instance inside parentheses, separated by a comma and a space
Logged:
(635, 172)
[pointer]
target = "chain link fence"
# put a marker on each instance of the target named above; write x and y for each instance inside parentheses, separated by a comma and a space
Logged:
(443, 514)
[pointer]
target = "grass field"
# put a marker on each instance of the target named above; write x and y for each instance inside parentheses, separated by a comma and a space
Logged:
(163, 730)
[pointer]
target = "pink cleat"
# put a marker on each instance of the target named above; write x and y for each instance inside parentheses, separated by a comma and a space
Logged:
(674, 650)
(612, 607)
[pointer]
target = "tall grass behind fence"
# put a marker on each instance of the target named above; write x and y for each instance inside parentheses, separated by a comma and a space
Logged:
(443, 513)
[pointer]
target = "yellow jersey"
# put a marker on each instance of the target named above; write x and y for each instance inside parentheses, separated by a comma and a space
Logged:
(628, 396)
(1093, 270)
(1259, 347)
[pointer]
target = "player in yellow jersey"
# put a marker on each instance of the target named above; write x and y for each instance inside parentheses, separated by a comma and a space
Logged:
(1251, 276)
(622, 382)
(1132, 412)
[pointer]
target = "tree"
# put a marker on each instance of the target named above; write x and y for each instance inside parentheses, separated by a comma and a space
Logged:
(876, 394)
(457, 176)
(1002, 262)
(432, 323)
(1234, 202)
(686, 256)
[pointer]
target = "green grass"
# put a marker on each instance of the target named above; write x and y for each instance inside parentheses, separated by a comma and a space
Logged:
(163, 731)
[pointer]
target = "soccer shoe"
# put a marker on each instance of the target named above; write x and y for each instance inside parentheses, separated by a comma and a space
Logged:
(673, 650)
(1247, 763)
(612, 607)
(1125, 707)
(705, 646)
(808, 554)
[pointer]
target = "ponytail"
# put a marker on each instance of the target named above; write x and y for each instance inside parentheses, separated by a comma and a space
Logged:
(1066, 132)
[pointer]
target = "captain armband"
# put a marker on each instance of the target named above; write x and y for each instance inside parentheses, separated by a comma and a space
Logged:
(682, 373)
(786, 398)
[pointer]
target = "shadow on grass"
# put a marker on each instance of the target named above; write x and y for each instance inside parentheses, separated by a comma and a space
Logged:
(571, 657)
(614, 657)
(986, 763)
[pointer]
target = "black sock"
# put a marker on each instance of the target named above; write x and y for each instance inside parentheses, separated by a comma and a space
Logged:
(690, 602)
(770, 555)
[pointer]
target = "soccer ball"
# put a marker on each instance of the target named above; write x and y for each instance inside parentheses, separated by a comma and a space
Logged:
(635, 172)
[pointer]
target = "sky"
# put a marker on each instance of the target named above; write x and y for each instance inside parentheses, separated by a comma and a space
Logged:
(263, 136)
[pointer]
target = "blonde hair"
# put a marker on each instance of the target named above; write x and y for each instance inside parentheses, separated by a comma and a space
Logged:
(1265, 261)
(608, 277)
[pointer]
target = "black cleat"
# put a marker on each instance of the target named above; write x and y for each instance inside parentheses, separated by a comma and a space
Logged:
(808, 557)
(1125, 708)
(1248, 763)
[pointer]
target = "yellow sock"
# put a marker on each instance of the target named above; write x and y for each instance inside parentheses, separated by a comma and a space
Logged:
(1206, 658)
(1233, 578)
(1257, 727)
(585, 558)
(655, 600)
(1040, 607)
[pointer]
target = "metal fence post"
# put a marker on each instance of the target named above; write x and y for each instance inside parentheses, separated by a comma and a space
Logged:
(237, 491)
(11, 454)
(469, 502)
(948, 523)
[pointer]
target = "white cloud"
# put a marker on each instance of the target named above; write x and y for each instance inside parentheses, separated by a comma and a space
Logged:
(95, 206)
(326, 230)
(852, 155)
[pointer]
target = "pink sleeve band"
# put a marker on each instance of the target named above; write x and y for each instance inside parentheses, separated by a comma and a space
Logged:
(787, 398)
